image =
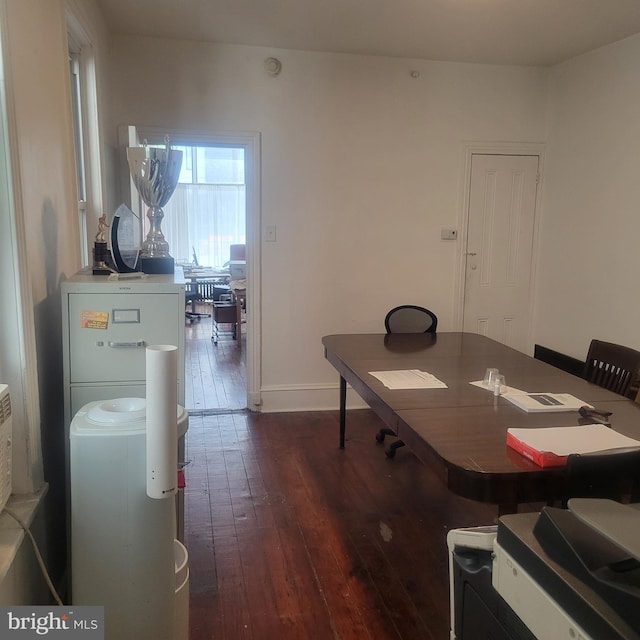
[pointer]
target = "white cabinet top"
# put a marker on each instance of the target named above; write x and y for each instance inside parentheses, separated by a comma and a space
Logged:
(85, 282)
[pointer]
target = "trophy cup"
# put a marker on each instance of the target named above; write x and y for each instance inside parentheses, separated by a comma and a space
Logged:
(155, 173)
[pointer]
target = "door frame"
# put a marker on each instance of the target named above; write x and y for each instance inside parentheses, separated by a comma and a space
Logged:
(493, 148)
(251, 142)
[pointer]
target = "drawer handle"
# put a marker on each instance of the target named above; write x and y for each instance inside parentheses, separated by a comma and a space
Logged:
(126, 345)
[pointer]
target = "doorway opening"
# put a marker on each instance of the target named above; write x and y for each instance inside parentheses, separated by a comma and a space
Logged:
(221, 179)
(205, 219)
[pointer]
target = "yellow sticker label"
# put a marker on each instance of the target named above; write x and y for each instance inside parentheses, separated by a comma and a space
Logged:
(94, 319)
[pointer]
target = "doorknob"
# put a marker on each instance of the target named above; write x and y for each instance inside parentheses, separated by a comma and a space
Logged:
(471, 253)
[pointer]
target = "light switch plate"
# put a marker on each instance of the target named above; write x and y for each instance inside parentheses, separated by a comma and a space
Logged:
(448, 234)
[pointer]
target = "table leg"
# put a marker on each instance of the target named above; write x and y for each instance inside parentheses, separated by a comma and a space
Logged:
(238, 319)
(343, 409)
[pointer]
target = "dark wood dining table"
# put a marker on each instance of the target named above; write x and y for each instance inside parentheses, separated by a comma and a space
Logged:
(460, 431)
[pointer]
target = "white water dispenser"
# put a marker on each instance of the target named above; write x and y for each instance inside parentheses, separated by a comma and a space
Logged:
(123, 548)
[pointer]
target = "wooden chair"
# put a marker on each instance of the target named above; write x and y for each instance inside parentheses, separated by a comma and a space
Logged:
(613, 367)
(406, 318)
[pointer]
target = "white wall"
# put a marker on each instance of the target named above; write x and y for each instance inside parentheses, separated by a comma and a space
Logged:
(40, 95)
(361, 167)
(591, 225)
(35, 64)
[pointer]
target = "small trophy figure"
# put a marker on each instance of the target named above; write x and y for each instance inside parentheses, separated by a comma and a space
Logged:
(100, 250)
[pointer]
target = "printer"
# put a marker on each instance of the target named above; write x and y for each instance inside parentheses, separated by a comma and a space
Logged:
(562, 573)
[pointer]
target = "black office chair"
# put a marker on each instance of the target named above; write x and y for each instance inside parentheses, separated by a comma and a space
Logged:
(613, 474)
(192, 295)
(613, 367)
(406, 318)
(409, 318)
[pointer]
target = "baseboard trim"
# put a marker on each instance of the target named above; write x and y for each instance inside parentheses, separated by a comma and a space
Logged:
(320, 397)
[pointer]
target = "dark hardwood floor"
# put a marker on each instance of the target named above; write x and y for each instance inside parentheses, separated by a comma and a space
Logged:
(291, 538)
(215, 374)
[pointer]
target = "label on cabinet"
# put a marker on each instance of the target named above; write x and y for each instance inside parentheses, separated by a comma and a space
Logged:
(94, 320)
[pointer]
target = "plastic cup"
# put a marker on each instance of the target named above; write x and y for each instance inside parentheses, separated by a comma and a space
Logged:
(489, 377)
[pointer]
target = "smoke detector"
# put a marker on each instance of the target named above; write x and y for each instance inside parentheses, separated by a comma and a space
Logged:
(272, 66)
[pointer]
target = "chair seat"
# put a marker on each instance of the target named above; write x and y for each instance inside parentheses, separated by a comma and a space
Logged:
(612, 474)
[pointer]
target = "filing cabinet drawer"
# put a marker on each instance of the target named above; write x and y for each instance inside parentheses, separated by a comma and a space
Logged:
(109, 333)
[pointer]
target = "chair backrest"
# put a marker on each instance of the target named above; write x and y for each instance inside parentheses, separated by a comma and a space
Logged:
(238, 252)
(613, 367)
(409, 318)
(607, 474)
(210, 290)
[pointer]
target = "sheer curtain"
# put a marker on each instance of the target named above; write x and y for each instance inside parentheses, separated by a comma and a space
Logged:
(207, 219)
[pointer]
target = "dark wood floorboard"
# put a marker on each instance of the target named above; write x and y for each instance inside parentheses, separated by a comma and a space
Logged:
(289, 537)
(215, 375)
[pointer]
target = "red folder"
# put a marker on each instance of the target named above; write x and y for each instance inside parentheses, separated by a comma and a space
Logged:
(541, 458)
(538, 444)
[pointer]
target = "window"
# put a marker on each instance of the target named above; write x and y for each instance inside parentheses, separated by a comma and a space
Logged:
(207, 212)
(82, 74)
(78, 131)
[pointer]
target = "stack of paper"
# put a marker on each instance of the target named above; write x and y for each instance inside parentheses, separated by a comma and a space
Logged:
(550, 446)
(408, 379)
(537, 402)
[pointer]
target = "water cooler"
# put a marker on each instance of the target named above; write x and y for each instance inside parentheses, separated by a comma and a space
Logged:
(124, 555)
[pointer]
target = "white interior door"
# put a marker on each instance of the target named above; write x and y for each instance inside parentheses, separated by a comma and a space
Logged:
(499, 252)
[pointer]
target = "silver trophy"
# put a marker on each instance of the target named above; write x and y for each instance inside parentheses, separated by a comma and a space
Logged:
(155, 173)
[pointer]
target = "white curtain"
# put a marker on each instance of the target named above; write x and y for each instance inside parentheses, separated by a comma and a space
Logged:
(206, 218)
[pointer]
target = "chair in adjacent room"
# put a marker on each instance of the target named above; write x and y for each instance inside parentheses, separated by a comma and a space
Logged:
(192, 295)
(237, 252)
(406, 318)
(613, 367)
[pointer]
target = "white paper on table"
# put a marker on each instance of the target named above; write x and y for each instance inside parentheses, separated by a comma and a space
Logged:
(408, 379)
(563, 441)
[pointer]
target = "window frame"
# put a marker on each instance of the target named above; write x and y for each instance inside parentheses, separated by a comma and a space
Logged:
(18, 361)
(87, 138)
(76, 87)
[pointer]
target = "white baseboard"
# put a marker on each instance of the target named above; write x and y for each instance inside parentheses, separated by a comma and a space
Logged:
(307, 397)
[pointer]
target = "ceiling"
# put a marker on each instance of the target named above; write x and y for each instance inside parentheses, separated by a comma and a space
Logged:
(519, 32)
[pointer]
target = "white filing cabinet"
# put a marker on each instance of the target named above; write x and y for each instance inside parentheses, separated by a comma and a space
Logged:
(107, 325)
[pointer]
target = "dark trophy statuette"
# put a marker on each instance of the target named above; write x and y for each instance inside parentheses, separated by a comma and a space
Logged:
(101, 251)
